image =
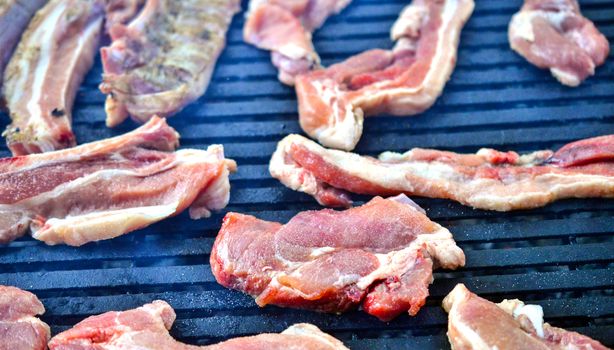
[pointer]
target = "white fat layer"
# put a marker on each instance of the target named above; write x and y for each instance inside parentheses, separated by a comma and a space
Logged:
(468, 334)
(565, 77)
(521, 25)
(535, 314)
(43, 36)
(308, 330)
(315, 252)
(290, 174)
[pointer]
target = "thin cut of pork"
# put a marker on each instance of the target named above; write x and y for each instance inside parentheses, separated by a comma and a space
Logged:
(488, 179)
(163, 59)
(475, 323)
(403, 81)
(284, 27)
(107, 188)
(14, 18)
(42, 78)
(146, 328)
(553, 34)
(380, 255)
(20, 329)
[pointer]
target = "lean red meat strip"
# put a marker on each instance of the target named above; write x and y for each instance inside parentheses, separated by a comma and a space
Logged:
(146, 328)
(107, 188)
(380, 255)
(42, 78)
(475, 323)
(14, 18)
(553, 34)
(284, 27)
(403, 81)
(488, 179)
(163, 59)
(19, 327)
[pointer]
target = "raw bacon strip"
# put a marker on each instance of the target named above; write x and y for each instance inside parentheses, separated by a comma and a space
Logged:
(42, 78)
(475, 323)
(403, 81)
(489, 179)
(19, 327)
(284, 27)
(379, 255)
(553, 34)
(107, 188)
(14, 18)
(164, 58)
(146, 328)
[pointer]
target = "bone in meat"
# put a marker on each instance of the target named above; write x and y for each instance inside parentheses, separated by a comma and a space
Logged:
(475, 323)
(489, 179)
(107, 188)
(146, 328)
(403, 81)
(380, 255)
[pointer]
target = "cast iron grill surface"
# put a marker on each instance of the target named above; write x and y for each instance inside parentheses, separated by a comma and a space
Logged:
(560, 256)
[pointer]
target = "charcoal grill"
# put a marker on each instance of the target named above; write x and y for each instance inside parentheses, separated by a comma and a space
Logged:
(560, 256)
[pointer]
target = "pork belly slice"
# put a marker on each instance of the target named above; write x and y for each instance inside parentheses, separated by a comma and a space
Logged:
(403, 81)
(284, 27)
(107, 188)
(14, 18)
(554, 35)
(42, 78)
(488, 179)
(163, 59)
(20, 329)
(147, 328)
(475, 323)
(380, 255)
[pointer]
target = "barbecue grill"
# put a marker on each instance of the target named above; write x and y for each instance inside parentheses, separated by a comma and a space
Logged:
(560, 256)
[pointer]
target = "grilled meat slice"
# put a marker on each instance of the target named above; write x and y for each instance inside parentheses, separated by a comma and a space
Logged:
(379, 255)
(284, 27)
(146, 328)
(488, 179)
(107, 188)
(403, 81)
(478, 324)
(163, 59)
(14, 18)
(42, 78)
(19, 327)
(553, 34)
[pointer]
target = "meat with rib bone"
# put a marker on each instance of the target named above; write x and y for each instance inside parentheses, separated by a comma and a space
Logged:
(475, 323)
(146, 328)
(20, 329)
(488, 179)
(42, 78)
(380, 255)
(163, 59)
(553, 34)
(403, 81)
(14, 18)
(107, 188)
(284, 27)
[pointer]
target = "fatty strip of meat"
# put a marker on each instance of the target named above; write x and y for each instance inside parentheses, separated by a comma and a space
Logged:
(553, 34)
(42, 78)
(14, 18)
(475, 323)
(146, 328)
(380, 255)
(488, 179)
(403, 81)
(20, 329)
(284, 27)
(107, 188)
(163, 59)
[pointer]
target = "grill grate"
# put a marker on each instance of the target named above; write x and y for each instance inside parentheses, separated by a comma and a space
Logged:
(560, 256)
